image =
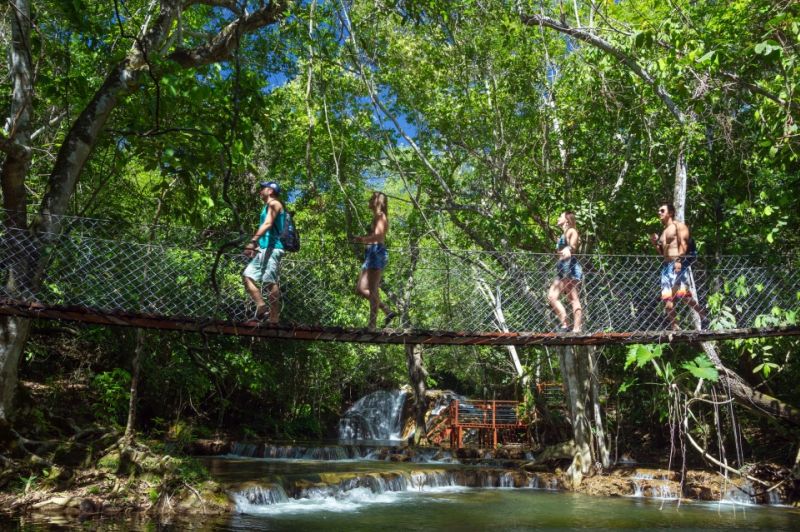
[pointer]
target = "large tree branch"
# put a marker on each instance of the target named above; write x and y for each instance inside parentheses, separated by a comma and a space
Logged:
(746, 396)
(602, 44)
(124, 78)
(222, 45)
(755, 89)
(83, 134)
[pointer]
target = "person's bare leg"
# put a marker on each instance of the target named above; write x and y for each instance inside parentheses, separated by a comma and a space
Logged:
(374, 282)
(553, 297)
(695, 306)
(577, 311)
(362, 285)
(670, 308)
(255, 294)
(274, 303)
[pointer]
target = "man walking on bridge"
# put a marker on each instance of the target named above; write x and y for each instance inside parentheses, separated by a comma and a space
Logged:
(265, 250)
(673, 246)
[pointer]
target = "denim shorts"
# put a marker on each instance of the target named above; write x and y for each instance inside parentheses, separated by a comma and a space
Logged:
(264, 273)
(375, 257)
(569, 269)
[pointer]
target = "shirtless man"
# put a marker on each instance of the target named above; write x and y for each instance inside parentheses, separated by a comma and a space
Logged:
(673, 245)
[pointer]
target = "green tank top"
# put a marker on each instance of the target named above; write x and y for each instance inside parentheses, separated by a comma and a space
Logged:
(272, 238)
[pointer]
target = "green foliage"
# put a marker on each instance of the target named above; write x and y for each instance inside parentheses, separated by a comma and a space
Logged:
(642, 354)
(112, 392)
(701, 368)
(191, 470)
(27, 484)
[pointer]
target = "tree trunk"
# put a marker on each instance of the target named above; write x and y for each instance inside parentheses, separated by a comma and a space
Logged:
(417, 375)
(13, 335)
(579, 371)
(138, 352)
(13, 330)
(681, 173)
(602, 455)
(494, 299)
(18, 122)
(577, 393)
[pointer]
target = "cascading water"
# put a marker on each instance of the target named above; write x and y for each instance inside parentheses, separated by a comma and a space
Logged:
(355, 490)
(374, 417)
(259, 496)
(652, 485)
(297, 452)
(748, 494)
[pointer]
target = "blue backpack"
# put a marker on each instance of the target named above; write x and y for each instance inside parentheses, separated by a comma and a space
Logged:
(691, 252)
(289, 236)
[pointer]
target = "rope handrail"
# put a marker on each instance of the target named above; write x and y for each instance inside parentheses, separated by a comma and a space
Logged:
(619, 293)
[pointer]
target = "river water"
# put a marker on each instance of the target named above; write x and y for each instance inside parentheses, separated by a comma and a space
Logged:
(370, 495)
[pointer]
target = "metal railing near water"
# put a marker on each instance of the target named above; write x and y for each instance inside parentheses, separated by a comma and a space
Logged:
(489, 418)
(471, 292)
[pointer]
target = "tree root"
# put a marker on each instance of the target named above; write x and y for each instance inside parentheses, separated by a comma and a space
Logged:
(714, 461)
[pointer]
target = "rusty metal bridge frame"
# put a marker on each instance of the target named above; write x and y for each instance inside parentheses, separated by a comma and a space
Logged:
(167, 280)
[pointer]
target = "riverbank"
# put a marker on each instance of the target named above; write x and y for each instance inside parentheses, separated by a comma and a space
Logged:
(147, 481)
(137, 479)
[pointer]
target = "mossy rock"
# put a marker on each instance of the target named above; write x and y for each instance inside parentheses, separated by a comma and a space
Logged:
(109, 462)
(336, 478)
(57, 477)
(72, 454)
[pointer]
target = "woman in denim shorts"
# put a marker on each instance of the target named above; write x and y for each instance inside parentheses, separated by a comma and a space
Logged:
(568, 275)
(375, 259)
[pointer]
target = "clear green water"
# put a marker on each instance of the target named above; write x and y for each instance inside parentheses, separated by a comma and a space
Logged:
(437, 508)
(518, 509)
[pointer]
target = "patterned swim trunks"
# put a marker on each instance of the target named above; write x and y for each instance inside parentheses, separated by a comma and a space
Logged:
(673, 284)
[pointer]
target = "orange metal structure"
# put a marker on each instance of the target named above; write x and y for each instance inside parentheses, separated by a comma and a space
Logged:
(490, 418)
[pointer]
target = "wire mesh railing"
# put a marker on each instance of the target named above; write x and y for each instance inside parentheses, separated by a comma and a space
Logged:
(471, 291)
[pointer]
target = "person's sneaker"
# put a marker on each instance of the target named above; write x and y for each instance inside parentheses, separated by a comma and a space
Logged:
(261, 312)
(562, 329)
(389, 317)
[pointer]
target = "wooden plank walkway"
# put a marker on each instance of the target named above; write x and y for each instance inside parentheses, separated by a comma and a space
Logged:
(381, 336)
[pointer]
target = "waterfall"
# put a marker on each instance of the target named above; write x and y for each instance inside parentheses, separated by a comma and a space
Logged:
(747, 493)
(296, 452)
(657, 486)
(354, 490)
(507, 480)
(257, 496)
(377, 416)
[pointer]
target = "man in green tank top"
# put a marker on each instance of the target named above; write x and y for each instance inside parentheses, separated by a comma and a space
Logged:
(265, 250)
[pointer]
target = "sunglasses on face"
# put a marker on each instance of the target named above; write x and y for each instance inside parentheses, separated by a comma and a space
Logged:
(662, 210)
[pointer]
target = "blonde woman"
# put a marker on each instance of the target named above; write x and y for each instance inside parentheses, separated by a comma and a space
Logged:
(375, 259)
(568, 275)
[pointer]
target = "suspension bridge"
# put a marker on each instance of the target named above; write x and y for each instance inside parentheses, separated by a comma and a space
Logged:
(86, 273)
